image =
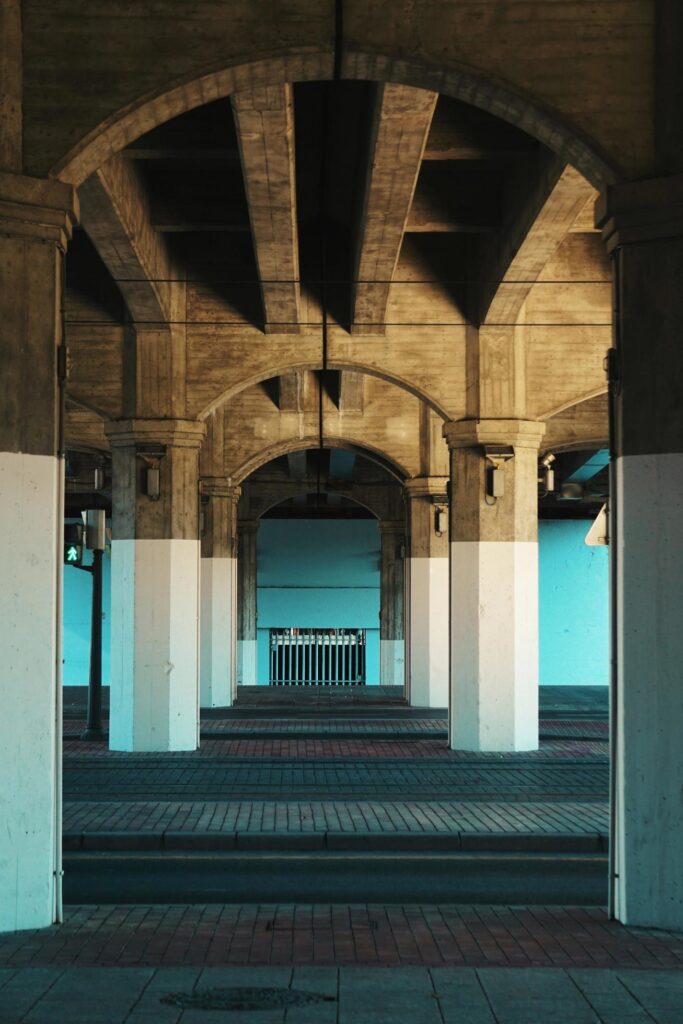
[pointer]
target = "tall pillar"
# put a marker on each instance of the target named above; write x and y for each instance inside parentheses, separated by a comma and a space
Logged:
(494, 586)
(36, 219)
(642, 225)
(247, 635)
(218, 618)
(428, 592)
(392, 593)
(154, 696)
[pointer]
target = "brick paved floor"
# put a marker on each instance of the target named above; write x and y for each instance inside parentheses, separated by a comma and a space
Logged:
(442, 817)
(166, 777)
(475, 936)
(361, 748)
(290, 773)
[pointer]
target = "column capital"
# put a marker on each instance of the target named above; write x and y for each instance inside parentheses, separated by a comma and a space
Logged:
(427, 487)
(41, 209)
(248, 525)
(640, 211)
(172, 433)
(220, 487)
(395, 526)
(473, 433)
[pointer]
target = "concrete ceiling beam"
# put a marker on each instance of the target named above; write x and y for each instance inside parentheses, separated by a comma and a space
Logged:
(351, 392)
(115, 213)
(292, 391)
(264, 119)
(401, 121)
(545, 208)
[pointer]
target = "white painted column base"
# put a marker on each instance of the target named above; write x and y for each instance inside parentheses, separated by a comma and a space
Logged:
(391, 662)
(218, 630)
(154, 693)
(494, 645)
(30, 601)
(649, 707)
(429, 600)
(246, 662)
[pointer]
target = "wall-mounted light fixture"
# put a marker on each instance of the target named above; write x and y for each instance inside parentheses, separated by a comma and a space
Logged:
(440, 520)
(496, 456)
(547, 475)
(151, 480)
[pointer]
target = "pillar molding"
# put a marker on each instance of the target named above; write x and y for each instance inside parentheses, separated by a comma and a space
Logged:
(36, 220)
(494, 587)
(247, 614)
(470, 433)
(155, 584)
(218, 602)
(642, 226)
(428, 593)
(392, 602)
(427, 487)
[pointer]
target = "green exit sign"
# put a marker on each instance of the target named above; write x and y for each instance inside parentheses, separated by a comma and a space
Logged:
(73, 544)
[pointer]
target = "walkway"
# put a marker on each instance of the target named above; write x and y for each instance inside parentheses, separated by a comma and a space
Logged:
(332, 770)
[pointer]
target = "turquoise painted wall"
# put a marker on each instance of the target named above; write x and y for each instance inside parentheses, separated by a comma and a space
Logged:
(573, 605)
(318, 573)
(326, 573)
(76, 632)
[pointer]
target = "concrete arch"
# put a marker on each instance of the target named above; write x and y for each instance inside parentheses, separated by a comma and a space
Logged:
(354, 367)
(580, 424)
(363, 504)
(295, 444)
(586, 397)
(478, 88)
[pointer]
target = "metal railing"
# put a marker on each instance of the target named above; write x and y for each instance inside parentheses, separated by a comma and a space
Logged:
(317, 657)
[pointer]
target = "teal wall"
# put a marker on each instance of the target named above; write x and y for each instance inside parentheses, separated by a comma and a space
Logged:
(318, 573)
(326, 573)
(76, 632)
(573, 605)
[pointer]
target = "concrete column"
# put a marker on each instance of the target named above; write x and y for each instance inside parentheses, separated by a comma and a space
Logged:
(247, 530)
(494, 587)
(155, 585)
(36, 219)
(218, 674)
(643, 227)
(428, 599)
(392, 596)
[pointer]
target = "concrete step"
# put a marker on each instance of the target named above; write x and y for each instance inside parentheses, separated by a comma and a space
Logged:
(490, 842)
(336, 876)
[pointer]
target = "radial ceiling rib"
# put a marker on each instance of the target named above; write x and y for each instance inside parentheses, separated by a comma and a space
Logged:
(542, 216)
(401, 121)
(264, 119)
(115, 213)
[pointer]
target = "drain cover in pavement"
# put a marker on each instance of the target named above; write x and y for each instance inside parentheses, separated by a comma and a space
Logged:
(243, 998)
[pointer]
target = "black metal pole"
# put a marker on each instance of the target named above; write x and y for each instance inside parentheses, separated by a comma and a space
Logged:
(93, 727)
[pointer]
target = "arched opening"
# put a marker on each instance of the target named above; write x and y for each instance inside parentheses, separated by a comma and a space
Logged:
(320, 578)
(382, 311)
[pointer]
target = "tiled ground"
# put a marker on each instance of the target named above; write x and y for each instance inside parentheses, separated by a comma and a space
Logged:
(474, 936)
(346, 995)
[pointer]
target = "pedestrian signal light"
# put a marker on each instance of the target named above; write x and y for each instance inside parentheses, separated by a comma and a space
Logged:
(73, 544)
